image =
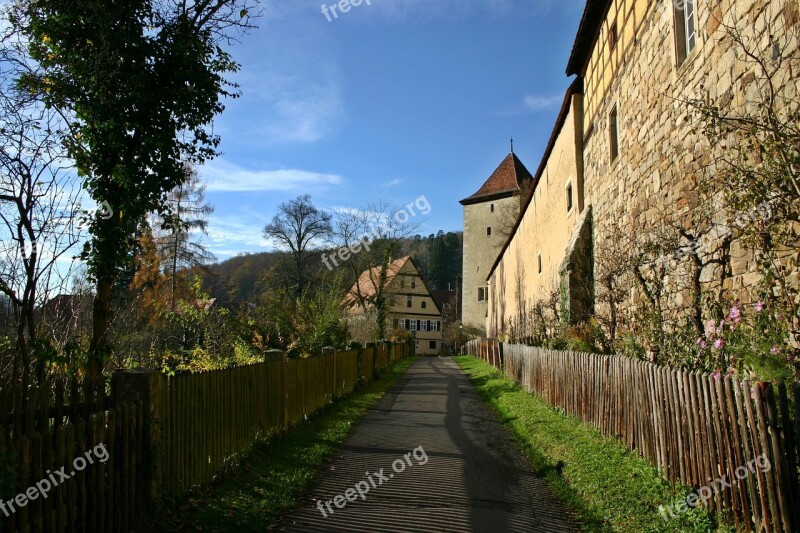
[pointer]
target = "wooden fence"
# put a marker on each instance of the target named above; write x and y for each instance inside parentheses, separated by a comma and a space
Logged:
(69, 460)
(698, 429)
(210, 417)
(163, 435)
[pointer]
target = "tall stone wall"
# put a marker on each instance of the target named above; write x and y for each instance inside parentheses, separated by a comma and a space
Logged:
(545, 231)
(652, 188)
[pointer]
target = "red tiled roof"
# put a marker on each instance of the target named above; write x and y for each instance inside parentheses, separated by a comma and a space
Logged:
(366, 286)
(505, 181)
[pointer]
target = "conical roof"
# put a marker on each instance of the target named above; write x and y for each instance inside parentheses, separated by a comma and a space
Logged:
(506, 181)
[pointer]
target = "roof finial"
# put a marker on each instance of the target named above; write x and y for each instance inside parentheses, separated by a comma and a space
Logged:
(512, 144)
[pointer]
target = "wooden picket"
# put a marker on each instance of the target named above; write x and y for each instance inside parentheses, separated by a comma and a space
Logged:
(211, 417)
(695, 427)
(204, 420)
(70, 447)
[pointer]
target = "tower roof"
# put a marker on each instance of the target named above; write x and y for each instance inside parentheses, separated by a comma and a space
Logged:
(506, 181)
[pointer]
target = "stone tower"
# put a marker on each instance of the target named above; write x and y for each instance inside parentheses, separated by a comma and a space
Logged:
(487, 215)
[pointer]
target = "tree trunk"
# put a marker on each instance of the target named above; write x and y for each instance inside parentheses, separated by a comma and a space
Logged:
(101, 321)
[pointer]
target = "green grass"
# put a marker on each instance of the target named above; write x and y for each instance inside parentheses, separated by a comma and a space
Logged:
(271, 479)
(610, 487)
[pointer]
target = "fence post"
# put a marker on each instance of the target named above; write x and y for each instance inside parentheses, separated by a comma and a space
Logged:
(330, 353)
(283, 357)
(148, 387)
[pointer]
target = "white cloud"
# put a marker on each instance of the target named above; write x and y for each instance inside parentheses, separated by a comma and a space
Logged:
(300, 108)
(393, 183)
(536, 103)
(231, 235)
(222, 176)
(459, 9)
(293, 97)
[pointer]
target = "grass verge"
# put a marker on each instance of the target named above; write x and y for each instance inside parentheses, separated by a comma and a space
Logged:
(272, 477)
(610, 487)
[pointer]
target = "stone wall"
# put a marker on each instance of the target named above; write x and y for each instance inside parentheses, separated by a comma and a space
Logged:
(650, 191)
(545, 231)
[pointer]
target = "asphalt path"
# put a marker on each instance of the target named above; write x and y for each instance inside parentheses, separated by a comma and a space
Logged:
(429, 457)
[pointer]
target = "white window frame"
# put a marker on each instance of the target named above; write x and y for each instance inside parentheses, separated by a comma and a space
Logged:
(685, 29)
(413, 325)
(423, 325)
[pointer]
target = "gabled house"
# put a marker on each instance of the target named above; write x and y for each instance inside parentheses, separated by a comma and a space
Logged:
(410, 306)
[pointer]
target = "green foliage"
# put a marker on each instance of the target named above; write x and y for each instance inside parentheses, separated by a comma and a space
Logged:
(99, 64)
(746, 343)
(303, 325)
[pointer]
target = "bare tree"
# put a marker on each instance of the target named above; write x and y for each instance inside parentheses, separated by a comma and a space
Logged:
(755, 178)
(375, 234)
(301, 229)
(39, 212)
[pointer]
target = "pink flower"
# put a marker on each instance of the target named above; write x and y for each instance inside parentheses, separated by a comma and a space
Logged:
(735, 314)
(775, 350)
(759, 307)
(715, 375)
(721, 324)
(710, 327)
(719, 343)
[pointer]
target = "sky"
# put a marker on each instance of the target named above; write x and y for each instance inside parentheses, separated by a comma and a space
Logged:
(390, 101)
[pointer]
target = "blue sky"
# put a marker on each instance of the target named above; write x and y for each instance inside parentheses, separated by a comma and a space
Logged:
(390, 101)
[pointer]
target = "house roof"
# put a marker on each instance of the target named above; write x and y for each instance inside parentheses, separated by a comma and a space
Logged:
(575, 88)
(366, 285)
(588, 31)
(505, 181)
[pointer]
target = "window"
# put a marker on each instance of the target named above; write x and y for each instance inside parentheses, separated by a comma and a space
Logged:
(434, 325)
(481, 294)
(409, 302)
(569, 197)
(413, 284)
(488, 231)
(540, 263)
(613, 36)
(613, 134)
(423, 325)
(402, 283)
(408, 324)
(685, 31)
(491, 208)
(414, 325)
(432, 345)
(424, 304)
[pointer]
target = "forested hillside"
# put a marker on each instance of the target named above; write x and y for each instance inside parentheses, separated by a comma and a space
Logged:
(241, 279)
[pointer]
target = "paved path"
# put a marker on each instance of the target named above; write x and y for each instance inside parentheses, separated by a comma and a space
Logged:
(474, 479)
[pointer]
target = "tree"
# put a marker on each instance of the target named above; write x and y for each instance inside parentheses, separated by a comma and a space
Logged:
(377, 233)
(138, 82)
(187, 212)
(755, 180)
(38, 211)
(299, 228)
